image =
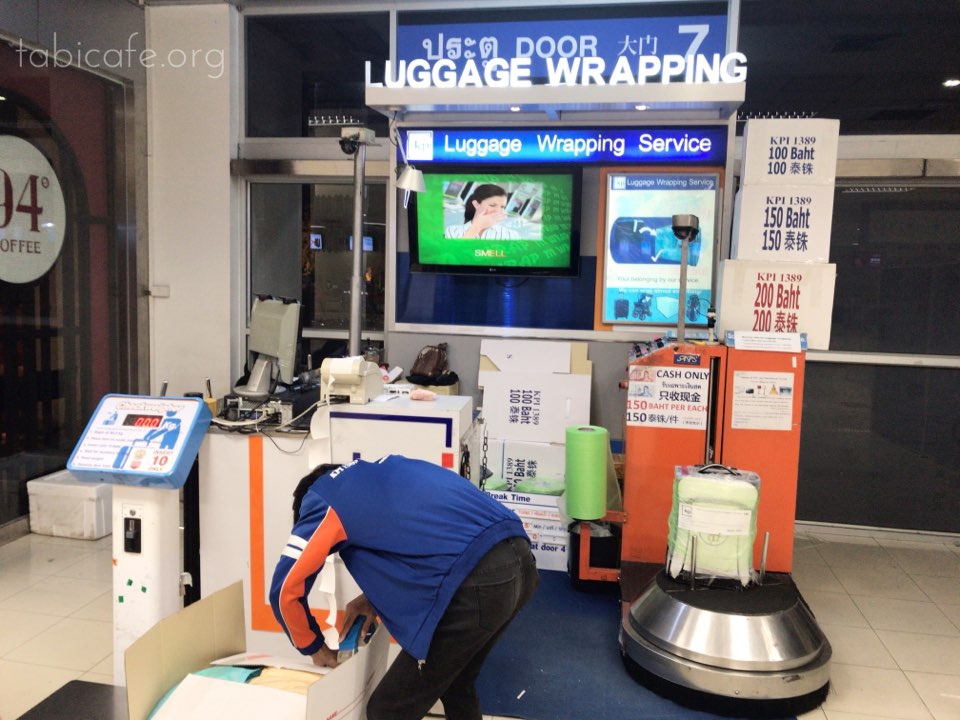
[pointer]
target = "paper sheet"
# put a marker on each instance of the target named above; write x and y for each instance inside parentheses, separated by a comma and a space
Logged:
(328, 588)
(257, 659)
(201, 698)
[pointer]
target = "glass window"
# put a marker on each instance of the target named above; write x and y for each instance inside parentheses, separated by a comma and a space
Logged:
(69, 332)
(301, 238)
(879, 446)
(897, 253)
(305, 74)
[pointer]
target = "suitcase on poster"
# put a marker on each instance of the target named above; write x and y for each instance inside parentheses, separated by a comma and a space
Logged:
(621, 308)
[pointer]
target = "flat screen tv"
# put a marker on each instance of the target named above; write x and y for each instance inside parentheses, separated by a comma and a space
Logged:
(516, 220)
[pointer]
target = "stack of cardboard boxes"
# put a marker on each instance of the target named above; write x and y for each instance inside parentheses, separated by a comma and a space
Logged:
(533, 390)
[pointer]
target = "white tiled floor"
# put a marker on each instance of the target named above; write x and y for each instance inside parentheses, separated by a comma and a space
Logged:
(890, 607)
(56, 621)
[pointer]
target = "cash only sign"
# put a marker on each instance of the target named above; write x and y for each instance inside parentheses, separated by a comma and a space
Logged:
(607, 51)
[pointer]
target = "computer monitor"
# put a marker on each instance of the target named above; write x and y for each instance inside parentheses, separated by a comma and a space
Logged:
(272, 347)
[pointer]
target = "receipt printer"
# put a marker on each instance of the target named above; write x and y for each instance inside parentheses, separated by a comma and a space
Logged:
(351, 378)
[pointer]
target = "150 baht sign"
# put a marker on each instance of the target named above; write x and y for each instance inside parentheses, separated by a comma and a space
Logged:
(32, 212)
(783, 222)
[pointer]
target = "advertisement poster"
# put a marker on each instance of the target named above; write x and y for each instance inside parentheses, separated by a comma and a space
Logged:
(642, 254)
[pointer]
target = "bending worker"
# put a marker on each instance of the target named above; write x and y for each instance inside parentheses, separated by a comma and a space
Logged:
(445, 567)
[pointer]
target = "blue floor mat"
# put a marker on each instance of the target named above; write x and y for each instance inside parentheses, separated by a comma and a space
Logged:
(560, 660)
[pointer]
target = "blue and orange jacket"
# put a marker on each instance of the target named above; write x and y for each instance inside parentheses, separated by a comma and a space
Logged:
(408, 531)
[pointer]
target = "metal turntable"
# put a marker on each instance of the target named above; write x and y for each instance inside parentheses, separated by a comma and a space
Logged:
(756, 650)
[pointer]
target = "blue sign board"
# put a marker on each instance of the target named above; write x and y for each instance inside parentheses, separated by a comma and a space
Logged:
(606, 38)
(141, 440)
(564, 145)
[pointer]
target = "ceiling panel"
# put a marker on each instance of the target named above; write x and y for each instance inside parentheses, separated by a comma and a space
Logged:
(876, 65)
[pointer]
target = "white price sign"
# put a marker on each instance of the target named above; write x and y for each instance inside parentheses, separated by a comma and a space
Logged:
(32, 212)
(778, 297)
(790, 152)
(791, 223)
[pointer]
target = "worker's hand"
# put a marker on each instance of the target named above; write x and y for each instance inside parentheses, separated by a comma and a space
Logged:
(354, 609)
(325, 657)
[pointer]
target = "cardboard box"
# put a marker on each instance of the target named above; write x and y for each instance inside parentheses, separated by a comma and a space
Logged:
(550, 552)
(544, 524)
(528, 506)
(63, 506)
(213, 628)
(777, 297)
(524, 466)
(534, 389)
(790, 223)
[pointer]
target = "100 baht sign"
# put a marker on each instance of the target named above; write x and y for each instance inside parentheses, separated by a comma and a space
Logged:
(32, 212)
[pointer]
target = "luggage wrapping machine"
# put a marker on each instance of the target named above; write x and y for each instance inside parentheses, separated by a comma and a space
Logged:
(755, 643)
(755, 649)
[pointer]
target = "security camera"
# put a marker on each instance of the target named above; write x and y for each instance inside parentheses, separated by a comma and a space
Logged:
(686, 227)
(352, 137)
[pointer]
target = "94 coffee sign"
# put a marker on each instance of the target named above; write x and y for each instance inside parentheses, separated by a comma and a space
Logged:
(32, 212)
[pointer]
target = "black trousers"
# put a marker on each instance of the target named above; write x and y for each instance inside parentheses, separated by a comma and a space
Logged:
(502, 583)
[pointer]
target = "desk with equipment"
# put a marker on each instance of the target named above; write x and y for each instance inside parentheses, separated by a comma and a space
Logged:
(249, 469)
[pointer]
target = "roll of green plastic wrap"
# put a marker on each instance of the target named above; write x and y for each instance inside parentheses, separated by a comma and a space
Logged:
(586, 471)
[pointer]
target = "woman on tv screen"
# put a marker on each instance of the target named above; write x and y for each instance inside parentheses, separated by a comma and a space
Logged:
(482, 213)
